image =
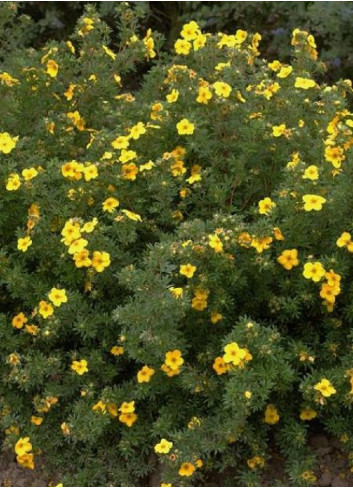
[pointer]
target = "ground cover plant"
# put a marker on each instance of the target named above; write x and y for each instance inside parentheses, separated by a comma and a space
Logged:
(176, 257)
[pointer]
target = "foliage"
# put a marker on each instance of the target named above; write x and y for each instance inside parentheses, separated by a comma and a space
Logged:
(175, 263)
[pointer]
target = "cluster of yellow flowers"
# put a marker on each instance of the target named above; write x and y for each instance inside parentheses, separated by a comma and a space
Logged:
(234, 356)
(23, 450)
(76, 244)
(57, 298)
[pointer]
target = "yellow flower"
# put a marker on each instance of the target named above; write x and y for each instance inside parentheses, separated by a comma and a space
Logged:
(311, 173)
(8, 80)
(308, 414)
(100, 406)
(190, 31)
(234, 354)
(275, 65)
(88, 25)
(77, 246)
(29, 173)
(26, 460)
(199, 304)
(314, 271)
(90, 172)
(127, 407)
(24, 243)
(201, 293)
(345, 240)
(335, 155)
(52, 68)
(204, 95)
(110, 204)
(100, 260)
(138, 130)
(271, 414)
(72, 169)
(177, 168)
(164, 446)
(278, 234)
(284, 71)
(308, 475)
(89, 226)
(13, 182)
(187, 469)
(215, 243)
(23, 446)
(277, 131)
(313, 202)
(70, 92)
(117, 350)
(240, 36)
(173, 359)
(304, 83)
(36, 420)
(7, 142)
(79, 366)
(329, 292)
(261, 244)
(194, 423)
(177, 292)
(57, 296)
(32, 329)
(82, 259)
(147, 166)
(288, 259)
(131, 215)
(173, 96)
(325, 388)
(182, 46)
(256, 462)
(130, 171)
(333, 279)
(45, 309)
(77, 120)
(185, 127)
(121, 142)
(266, 205)
(19, 321)
(129, 419)
(216, 317)
(187, 270)
(222, 89)
(220, 366)
(109, 52)
(145, 374)
(14, 359)
(195, 174)
(200, 42)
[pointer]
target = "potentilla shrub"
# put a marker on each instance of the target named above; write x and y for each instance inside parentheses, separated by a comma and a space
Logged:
(175, 257)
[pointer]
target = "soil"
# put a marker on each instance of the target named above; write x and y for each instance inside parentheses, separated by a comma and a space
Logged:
(11, 474)
(332, 469)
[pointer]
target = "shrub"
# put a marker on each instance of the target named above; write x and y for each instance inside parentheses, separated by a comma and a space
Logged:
(175, 262)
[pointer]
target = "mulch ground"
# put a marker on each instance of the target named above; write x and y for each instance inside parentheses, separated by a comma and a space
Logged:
(332, 470)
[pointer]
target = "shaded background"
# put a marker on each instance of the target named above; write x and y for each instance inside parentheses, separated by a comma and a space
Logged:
(330, 22)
